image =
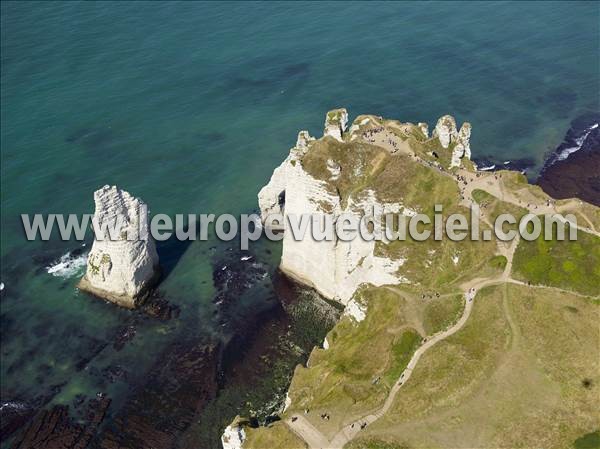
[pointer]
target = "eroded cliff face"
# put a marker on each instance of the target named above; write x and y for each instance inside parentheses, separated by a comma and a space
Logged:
(121, 266)
(336, 268)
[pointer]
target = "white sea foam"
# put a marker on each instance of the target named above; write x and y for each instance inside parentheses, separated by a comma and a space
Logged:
(68, 266)
(564, 154)
(491, 167)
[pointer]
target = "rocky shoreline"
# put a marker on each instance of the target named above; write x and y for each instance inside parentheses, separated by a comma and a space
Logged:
(573, 169)
(197, 383)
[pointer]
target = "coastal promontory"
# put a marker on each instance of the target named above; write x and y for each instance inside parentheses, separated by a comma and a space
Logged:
(464, 343)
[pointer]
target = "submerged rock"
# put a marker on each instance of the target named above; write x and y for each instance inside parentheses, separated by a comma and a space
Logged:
(56, 429)
(13, 415)
(122, 265)
(180, 383)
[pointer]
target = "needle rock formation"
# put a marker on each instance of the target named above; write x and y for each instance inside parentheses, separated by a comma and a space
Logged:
(123, 264)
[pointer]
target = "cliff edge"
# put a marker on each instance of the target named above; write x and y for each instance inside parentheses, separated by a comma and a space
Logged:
(332, 176)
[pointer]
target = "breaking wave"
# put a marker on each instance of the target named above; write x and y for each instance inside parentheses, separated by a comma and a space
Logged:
(69, 265)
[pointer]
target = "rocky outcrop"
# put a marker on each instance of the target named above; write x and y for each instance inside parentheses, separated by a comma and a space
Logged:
(333, 267)
(56, 429)
(233, 436)
(424, 129)
(445, 130)
(462, 148)
(335, 123)
(304, 138)
(123, 264)
(464, 137)
(458, 141)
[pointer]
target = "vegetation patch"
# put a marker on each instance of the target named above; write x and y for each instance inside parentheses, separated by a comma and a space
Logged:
(368, 443)
(441, 313)
(402, 351)
(359, 165)
(570, 265)
(509, 378)
(347, 379)
(274, 436)
(492, 207)
(498, 262)
(588, 441)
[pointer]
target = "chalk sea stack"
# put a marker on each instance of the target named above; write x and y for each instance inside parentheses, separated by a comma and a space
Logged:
(122, 267)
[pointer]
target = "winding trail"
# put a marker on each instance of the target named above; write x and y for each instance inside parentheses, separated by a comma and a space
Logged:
(492, 185)
(316, 440)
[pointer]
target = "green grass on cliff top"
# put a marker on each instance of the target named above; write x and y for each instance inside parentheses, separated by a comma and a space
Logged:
(362, 362)
(402, 350)
(570, 265)
(400, 179)
(513, 376)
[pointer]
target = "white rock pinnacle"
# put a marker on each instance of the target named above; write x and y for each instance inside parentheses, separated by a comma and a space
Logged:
(122, 264)
(445, 131)
(335, 123)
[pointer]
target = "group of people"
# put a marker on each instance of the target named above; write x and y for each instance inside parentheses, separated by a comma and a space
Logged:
(430, 295)
(462, 179)
(368, 134)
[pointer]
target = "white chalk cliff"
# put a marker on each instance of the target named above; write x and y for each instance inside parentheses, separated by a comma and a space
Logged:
(233, 436)
(122, 265)
(334, 268)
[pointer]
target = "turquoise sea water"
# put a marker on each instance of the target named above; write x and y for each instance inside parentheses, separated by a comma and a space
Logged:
(191, 105)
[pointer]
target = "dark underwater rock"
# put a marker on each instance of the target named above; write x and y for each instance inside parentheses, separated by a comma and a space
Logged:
(180, 383)
(55, 429)
(573, 169)
(13, 414)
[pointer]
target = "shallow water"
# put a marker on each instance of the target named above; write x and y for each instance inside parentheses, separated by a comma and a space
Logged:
(191, 105)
